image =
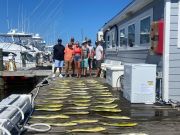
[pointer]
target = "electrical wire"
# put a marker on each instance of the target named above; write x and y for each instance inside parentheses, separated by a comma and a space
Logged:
(120, 79)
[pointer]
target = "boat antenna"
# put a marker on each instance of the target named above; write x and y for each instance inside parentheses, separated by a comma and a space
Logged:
(22, 18)
(7, 13)
(82, 34)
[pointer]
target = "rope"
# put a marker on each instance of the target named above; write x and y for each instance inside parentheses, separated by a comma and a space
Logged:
(32, 127)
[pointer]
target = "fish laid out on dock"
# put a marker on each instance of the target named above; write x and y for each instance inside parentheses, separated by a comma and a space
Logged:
(120, 124)
(95, 129)
(117, 117)
(84, 107)
(60, 116)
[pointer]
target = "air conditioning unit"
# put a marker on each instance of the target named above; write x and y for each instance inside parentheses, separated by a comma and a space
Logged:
(139, 83)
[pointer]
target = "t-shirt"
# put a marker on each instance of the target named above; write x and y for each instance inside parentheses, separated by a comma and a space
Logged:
(99, 51)
(58, 52)
(68, 53)
(85, 51)
(91, 52)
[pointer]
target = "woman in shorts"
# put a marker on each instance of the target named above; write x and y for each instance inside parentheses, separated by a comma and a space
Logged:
(77, 59)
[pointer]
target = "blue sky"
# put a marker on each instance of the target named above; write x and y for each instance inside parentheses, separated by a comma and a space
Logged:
(58, 18)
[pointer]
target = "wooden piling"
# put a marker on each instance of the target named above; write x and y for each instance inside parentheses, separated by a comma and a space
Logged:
(1, 76)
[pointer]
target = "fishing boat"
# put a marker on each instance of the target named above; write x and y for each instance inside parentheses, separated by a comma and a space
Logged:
(23, 46)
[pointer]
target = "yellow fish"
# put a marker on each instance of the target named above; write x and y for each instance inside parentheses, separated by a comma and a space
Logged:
(84, 105)
(106, 106)
(106, 110)
(77, 108)
(50, 105)
(48, 109)
(56, 98)
(80, 101)
(63, 124)
(82, 97)
(93, 130)
(84, 121)
(59, 116)
(76, 113)
(120, 124)
(117, 117)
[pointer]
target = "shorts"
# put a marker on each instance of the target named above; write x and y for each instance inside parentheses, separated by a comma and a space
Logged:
(90, 62)
(84, 63)
(58, 63)
(77, 58)
(98, 63)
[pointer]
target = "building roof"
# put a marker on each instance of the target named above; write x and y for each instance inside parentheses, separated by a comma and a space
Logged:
(131, 8)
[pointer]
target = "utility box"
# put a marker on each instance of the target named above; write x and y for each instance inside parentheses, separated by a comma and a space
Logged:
(113, 74)
(139, 83)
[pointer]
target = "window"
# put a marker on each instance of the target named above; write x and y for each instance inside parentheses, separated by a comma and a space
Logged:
(131, 35)
(123, 41)
(113, 40)
(108, 41)
(145, 30)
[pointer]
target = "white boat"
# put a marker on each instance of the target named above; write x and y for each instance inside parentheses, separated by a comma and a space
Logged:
(25, 48)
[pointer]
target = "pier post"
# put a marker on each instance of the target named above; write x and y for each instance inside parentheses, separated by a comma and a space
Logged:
(1, 76)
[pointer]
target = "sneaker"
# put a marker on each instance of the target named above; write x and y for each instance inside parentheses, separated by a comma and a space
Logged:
(60, 76)
(53, 76)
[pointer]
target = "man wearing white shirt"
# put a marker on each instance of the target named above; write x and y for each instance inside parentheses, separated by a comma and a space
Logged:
(99, 57)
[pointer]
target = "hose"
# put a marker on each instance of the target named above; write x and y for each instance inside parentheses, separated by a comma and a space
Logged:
(32, 127)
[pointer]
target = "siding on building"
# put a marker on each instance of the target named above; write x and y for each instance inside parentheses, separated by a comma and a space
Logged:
(174, 54)
(136, 55)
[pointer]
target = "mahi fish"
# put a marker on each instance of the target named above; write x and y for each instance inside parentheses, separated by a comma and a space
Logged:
(76, 113)
(95, 129)
(59, 116)
(48, 109)
(50, 105)
(82, 121)
(63, 124)
(77, 108)
(123, 124)
(82, 105)
(106, 106)
(117, 117)
(106, 110)
(82, 97)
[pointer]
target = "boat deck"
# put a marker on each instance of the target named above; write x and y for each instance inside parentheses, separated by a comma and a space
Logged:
(74, 106)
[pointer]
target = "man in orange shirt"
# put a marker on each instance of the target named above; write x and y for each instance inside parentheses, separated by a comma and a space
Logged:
(68, 58)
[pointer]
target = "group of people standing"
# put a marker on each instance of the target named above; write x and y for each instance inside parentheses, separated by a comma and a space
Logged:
(77, 58)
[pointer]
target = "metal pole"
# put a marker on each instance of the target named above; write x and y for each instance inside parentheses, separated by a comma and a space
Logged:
(1, 76)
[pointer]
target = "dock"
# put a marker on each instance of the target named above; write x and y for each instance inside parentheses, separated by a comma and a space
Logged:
(26, 73)
(89, 106)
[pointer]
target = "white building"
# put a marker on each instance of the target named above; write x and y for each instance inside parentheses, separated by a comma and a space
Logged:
(128, 39)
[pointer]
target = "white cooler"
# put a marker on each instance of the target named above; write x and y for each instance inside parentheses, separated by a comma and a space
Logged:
(113, 74)
(139, 83)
